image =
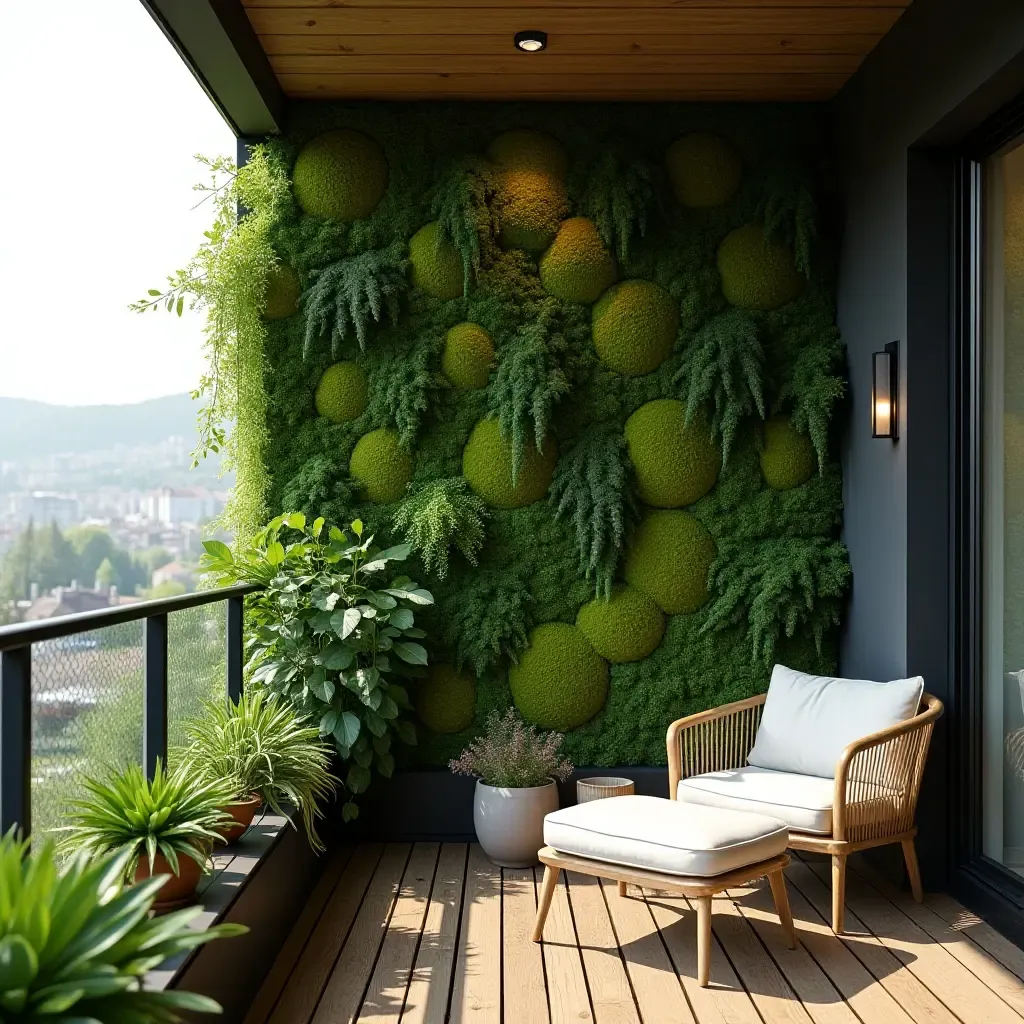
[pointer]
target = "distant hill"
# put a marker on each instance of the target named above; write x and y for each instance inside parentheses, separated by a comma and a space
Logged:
(29, 429)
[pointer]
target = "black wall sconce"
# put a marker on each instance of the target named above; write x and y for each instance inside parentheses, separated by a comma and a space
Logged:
(531, 41)
(885, 392)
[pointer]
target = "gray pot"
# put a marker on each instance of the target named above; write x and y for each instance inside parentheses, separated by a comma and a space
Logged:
(510, 822)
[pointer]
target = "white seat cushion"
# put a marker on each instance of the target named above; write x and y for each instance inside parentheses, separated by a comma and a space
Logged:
(809, 720)
(803, 802)
(664, 835)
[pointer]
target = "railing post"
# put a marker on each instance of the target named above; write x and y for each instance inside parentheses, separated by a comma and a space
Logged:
(154, 714)
(235, 652)
(16, 739)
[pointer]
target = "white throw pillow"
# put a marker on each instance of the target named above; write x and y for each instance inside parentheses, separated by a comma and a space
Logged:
(809, 720)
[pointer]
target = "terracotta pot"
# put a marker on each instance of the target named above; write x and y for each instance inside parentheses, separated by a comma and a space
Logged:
(510, 822)
(242, 812)
(178, 889)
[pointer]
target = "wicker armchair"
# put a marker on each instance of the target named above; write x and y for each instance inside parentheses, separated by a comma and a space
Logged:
(877, 781)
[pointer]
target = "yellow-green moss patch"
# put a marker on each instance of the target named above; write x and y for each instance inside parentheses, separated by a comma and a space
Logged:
(669, 560)
(578, 267)
(531, 204)
(523, 149)
(626, 627)
(341, 393)
(705, 170)
(468, 356)
(446, 699)
(283, 290)
(436, 264)
(787, 459)
(380, 466)
(341, 175)
(487, 465)
(634, 326)
(756, 273)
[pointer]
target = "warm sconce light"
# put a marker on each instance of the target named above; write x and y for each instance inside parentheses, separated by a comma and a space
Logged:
(531, 41)
(885, 390)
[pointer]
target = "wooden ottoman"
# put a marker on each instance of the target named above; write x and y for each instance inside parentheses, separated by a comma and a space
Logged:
(662, 844)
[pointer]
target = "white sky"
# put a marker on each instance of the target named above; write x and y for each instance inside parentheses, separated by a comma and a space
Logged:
(102, 119)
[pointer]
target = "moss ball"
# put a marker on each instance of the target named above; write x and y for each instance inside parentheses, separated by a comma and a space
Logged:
(560, 681)
(446, 700)
(788, 458)
(634, 327)
(340, 175)
(487, 466)
(380, 466)
(756, 273)
(283, 289)
(626, 627)
(341, 393)
(675, 464)
(669, 560)
(531, 205)
(468, 356)
(436, 264)
(578, 267)
(526, 150)
(705, 170)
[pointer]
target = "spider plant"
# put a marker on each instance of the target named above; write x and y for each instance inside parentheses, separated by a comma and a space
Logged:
(76, 944)
(175, 814)
(261, 745)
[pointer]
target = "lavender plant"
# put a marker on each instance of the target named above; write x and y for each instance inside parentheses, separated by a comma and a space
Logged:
(513, 755)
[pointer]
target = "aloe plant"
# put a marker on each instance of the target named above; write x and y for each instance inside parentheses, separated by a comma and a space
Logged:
(175, 814)
(75, 943)
(262, 745)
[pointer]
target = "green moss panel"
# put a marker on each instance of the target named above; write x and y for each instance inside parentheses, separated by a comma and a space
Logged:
(756, 273)
(526, 150)
(468, 356)
(341, 393)
(341, 175)
(487, 465)
(446, 699)
(436, 264)
(627, 626)
(634, 327)
(787, 458)
(283, 290)
(704, 170)
(379, 465)
(578, 267)
(669, 560)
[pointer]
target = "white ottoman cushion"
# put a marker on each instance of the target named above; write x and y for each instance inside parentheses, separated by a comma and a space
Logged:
(664, 835)
(803, 802)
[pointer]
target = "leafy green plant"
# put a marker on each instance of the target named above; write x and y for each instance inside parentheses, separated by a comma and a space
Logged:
(491, 620)
(263, 746)
(401, 392)
(513, 754)
(352, 293)
(618, 191)
(789, 213)
(331, 635)
(723, 365)
(76, 944)
(227, 280)
(175, 815)
(463, 205)
(439, 516)
(318, 489)
(591, 485)
(776, 585)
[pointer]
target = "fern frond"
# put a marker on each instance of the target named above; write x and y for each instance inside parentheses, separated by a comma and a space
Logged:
(442, 515)
(353, 292)
(490, 620)
(723, 365)
(618, 191)
(530, 380)
(777, 586)
(317, 489)
(401, 390)
(789, 213)
(464, 206)
(591, 484)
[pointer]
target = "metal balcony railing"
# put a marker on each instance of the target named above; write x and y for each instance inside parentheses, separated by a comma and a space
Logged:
(81, 692)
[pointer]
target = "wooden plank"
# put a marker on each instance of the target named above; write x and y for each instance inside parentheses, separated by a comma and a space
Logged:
(577, 64)
(524, 996)
(589, 20)
(658, 992)
(344, 991)
(476, 994)
(610, 993)
(426, 1002)
(294, 946)
(299, 999)
(822, 1000)
(724, 1001)
(385, 996)
(968, 923)
(563, 966)
(318, 6)
(764, 981)
(654, 87)
(915, 997)
(572, 43)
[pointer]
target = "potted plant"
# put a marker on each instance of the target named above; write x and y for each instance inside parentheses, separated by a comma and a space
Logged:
(76, 945)
(266, 753)
(516, 769)
(167, 826)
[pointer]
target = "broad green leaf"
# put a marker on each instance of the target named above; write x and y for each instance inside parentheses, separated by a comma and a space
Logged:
(328, 722)
(402, 618)
(318, 525)
(357, 527)
(414, 654)
(397, 553)
(337, 657)
(386, 765)
(18, 963)
(375, 723)
(381, 600)
(275, 553)
(349, 811)
(406, 732)
(358, 778)
(336, 535)
(347, 729)
(296, 520)
(218, 549)
(345, 621)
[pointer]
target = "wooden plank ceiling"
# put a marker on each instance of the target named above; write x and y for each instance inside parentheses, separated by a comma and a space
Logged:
(597, 49)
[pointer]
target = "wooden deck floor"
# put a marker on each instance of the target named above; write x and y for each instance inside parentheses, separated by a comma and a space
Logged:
(425, 934)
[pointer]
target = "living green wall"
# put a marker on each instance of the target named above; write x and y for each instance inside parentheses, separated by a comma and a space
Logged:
(645, 292)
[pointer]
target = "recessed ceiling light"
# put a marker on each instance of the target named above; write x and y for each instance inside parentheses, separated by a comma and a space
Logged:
(531, 41)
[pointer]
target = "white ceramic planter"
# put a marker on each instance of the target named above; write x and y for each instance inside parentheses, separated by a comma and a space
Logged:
(510, 822)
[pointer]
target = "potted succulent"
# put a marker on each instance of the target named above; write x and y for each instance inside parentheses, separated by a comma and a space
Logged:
(516, 769)
(76, 944)
(266, 753)
(167, 826)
